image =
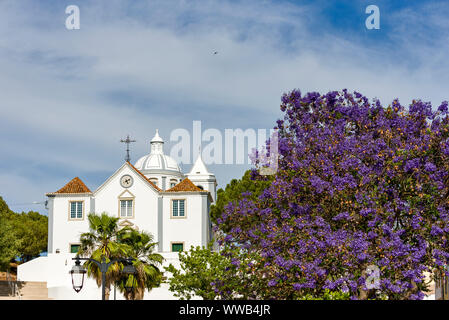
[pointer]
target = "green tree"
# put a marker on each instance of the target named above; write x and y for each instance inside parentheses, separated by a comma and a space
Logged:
(4, 209)
(32, 230)
(24, 235)
(200, 267)
(8, 238)
(327, 295)
(101, 242)
(146, 262)
(9, 243)
(234, 190)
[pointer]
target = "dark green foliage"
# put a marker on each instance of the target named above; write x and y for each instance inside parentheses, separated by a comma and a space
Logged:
(22, 235)
(327, 295)
(32, 230)
(233, 193)
(147, 263)
(106, 240)
(9, 243)
(200, 267)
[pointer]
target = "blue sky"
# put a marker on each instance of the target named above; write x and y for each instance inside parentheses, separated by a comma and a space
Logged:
(68, 97)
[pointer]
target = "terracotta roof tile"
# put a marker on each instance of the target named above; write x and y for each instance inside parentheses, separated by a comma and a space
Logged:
(185, 185)
(74, 186)
(137, 170)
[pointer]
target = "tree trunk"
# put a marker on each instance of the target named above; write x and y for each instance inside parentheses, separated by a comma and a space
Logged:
(139, 293)
(107, 292)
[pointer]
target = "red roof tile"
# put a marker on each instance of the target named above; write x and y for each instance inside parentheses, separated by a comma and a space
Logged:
(74, 186)
(185, 185)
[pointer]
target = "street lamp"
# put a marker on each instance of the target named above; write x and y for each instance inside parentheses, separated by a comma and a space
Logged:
(78, 272)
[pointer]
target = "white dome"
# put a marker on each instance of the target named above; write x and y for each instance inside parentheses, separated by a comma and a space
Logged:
(157, 162)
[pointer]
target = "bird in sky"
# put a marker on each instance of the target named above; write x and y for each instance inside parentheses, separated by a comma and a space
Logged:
(215, 52)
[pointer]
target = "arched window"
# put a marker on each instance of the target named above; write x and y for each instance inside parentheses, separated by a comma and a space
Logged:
(173, 182)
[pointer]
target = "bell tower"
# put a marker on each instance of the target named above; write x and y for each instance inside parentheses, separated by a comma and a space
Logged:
(202, 178)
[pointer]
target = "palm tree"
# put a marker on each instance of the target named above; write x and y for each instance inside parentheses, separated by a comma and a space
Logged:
(101, 242)
(146, 262)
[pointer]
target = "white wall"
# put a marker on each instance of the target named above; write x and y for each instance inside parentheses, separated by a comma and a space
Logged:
(34, 270)
(145, 200)
(187, 230)
(54, 269)
(66, 231)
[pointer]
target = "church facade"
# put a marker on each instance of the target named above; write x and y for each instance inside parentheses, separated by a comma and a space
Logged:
(151, 195)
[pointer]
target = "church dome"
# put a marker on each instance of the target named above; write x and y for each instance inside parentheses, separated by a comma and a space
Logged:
(157, 162)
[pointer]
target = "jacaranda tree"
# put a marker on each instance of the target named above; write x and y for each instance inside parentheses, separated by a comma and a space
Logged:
(359, 186)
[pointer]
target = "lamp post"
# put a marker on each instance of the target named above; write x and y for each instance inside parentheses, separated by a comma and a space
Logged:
(78, 272)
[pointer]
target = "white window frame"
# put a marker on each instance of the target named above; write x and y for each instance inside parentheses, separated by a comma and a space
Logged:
(77, 204)
(178, 216)
(126, 196)
(129, 210)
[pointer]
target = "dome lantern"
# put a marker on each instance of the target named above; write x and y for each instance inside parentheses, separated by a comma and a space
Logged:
(157, 144)
(157, 165)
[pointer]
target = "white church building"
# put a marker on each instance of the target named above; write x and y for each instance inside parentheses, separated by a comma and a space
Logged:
(151, 195)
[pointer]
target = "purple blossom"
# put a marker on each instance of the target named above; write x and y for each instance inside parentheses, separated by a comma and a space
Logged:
(443, 107)
(358, 184)
(272, 283)
(342, 216)
(430, 167)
